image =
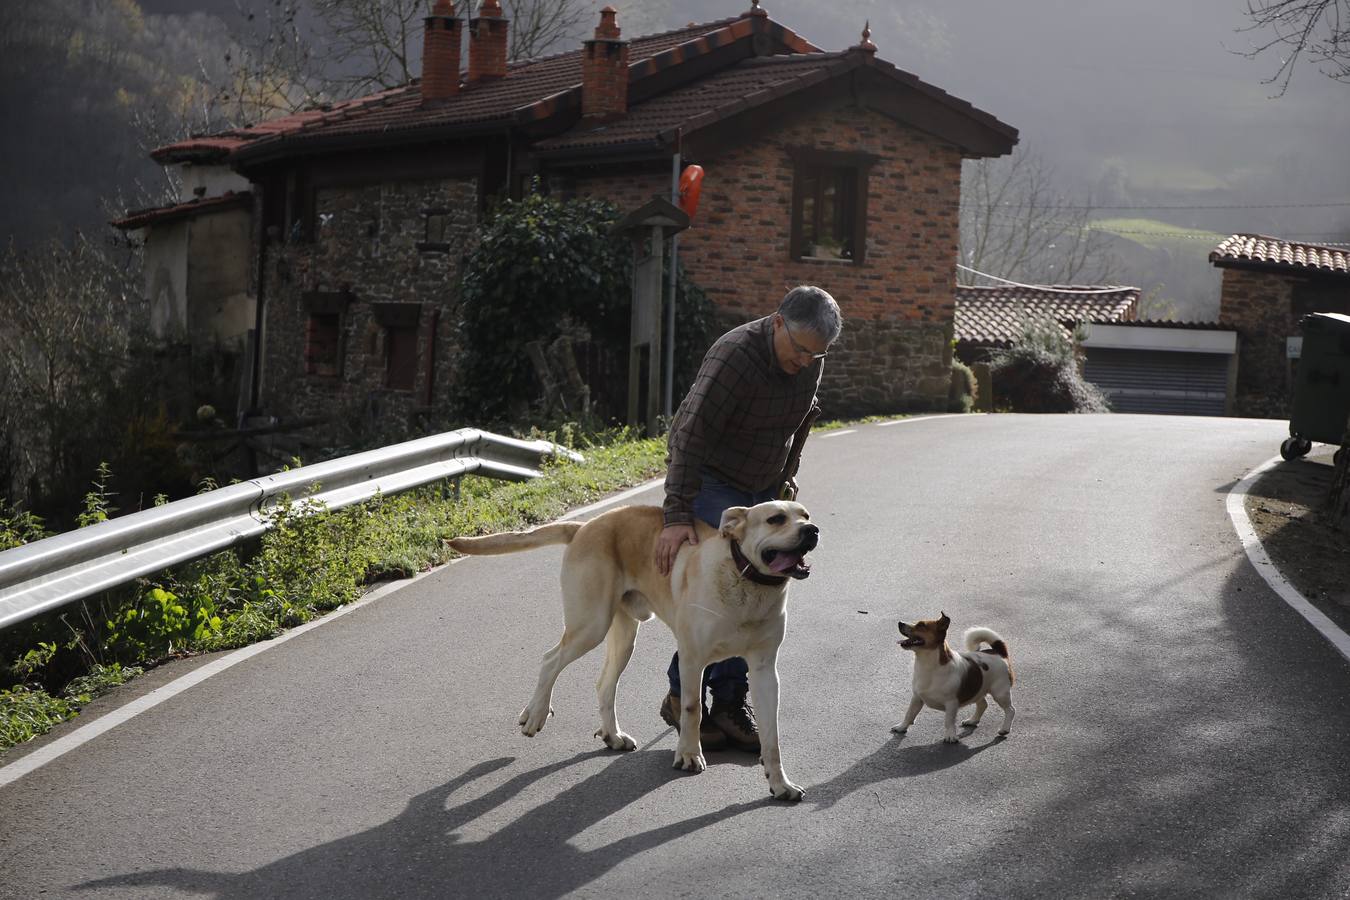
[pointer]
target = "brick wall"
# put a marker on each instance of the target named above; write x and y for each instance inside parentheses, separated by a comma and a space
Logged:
(1265, 308)
(894, 352)
(1257, 305)
(366, 248)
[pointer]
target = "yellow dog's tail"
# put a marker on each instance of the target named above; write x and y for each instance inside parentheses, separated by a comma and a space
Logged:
(515, 541)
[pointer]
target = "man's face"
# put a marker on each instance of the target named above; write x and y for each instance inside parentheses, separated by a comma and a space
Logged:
(797, 348)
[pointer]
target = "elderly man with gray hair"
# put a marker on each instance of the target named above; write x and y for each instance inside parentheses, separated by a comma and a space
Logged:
(729, 443)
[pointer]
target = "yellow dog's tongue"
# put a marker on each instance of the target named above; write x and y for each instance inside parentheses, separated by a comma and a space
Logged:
(784, 561)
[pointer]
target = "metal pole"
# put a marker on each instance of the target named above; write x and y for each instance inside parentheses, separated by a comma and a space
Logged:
(670, 311)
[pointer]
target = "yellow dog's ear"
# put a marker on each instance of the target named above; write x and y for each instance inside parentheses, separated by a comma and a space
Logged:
(734, 522)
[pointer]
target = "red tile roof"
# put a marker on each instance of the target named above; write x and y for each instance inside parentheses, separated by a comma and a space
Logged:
(156, 214)
(706, 100)
(996, 316)
(1259, 251)
(531, 88)
(538, 89)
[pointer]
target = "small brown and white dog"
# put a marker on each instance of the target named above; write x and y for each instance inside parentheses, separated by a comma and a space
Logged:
(948, 681)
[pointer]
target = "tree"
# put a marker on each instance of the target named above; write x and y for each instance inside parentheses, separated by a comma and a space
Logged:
(1016, 224)
(1316, 29)
(64, 329)
(367, 46)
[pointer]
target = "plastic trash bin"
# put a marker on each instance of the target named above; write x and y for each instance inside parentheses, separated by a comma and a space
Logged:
(1322, 385)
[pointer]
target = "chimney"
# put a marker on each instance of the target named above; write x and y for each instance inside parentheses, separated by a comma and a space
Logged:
(604, 71)
(487, 42)
(440, 53)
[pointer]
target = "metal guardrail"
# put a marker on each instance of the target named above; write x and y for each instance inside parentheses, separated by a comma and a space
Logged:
(54, 571)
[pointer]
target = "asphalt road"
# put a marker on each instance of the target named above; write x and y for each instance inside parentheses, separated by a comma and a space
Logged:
(1180, 732)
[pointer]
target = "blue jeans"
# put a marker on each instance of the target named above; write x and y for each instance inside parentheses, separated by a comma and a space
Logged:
(729, 679)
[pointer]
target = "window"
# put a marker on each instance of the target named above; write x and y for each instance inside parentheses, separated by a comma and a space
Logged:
(323, 331)
(436, 230)
(829, 204)
(400, 324)
(323, 344)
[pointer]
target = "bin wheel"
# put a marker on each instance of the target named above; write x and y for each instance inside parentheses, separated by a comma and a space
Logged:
(1293, 448)
(1336, 457)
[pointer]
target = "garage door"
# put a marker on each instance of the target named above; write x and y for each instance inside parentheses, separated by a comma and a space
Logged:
(1160, 381)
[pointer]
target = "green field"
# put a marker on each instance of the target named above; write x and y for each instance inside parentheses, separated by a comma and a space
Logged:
(1159, 235)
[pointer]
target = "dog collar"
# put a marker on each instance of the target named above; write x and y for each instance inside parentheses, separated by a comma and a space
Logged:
(747, 569)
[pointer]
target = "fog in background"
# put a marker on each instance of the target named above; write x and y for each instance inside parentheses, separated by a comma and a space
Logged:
(1131, 105)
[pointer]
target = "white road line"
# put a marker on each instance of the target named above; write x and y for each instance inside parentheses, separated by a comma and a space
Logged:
(85, 733)
(617, 498)
(926, 419)
(830, 434)
(1237, 511)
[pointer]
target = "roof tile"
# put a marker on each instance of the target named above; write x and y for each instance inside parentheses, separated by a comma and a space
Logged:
(996, 316)
(1259, 250)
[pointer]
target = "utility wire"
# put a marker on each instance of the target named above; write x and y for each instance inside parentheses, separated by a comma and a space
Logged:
(1046, 287)
(1094, 206)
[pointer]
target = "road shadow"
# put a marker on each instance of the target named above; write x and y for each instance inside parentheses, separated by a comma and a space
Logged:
(419, 854)
(902, 756)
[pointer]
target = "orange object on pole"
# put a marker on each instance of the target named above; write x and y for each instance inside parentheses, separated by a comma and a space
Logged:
(691, 182)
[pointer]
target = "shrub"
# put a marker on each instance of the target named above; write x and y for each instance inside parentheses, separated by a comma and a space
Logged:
(963, 390)
(545, 268)
(1040, 374)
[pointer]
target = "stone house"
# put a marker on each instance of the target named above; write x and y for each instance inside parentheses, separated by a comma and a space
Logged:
(196, 272)
(832, 168)
(1269, 284)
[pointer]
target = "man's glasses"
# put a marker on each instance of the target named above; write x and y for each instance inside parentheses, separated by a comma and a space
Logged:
(802, 351)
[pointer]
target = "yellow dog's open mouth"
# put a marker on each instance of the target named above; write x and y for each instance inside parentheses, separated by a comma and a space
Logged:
(791, 563)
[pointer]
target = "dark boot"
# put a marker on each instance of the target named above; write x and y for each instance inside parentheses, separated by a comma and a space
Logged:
(710, 737)
(736, 719)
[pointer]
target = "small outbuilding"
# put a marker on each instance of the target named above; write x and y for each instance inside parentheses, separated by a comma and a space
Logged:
(1269, 285)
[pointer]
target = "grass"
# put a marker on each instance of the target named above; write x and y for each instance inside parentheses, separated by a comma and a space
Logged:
(1146, 232)
(301, 568)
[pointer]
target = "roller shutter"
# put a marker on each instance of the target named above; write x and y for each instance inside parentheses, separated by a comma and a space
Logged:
(1160, 381)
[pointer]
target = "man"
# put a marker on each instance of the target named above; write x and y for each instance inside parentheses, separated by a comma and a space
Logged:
(728, 445)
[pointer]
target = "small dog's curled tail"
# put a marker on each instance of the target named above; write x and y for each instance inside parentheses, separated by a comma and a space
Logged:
(514, 541)
(975, 636)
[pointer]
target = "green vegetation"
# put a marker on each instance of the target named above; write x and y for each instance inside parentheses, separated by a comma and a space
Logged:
(301, 568)
(545, 269)
(963, 389)
(1040, 373)
(1149, 233)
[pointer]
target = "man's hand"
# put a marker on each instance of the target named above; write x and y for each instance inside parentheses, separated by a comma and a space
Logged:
(789, 490)
(668, 545)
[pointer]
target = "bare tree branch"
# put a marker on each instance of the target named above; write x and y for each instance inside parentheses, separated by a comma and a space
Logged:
(1316, 29)
(1016, 224)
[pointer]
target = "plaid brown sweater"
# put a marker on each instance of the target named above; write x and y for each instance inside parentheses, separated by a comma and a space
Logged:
(738, 418)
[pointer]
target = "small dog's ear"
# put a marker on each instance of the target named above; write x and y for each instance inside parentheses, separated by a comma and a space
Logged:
(734, 522)
(943, 622)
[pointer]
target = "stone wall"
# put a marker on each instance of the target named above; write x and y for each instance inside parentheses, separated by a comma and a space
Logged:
(898, 304)
(369, 258)
(1265, 307)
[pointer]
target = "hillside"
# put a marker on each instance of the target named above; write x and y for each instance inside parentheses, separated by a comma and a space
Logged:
(1170, 263)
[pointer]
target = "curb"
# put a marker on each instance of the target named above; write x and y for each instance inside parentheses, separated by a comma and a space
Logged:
(1256, 552)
